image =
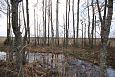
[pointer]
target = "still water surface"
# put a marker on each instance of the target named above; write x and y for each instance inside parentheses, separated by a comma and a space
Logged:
(66, 66)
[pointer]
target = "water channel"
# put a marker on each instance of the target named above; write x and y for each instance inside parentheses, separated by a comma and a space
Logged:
(66, 66)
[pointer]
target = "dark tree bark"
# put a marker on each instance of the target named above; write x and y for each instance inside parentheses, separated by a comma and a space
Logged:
(38, 37)
(105, 30)
(25, 36)
(52, 30)
(89, 37)
(18, 37)
(8, 24)
(57, 23)
(8, 41)
(92, 31)
(48, 21)
(28, 27)
(37, 31)
(95, 30)
(45, 23)
(66, 28)
(73, 24)
(77, 33)
(85, 35)
(68, 24)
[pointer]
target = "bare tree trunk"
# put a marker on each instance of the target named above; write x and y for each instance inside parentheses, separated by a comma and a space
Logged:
(37, 31)
(85, 36)
(73, 24)
(8, 40)
(105, 30)
(48, 21)
(66, 28)
(68, 19)
(25, 36)
(92, 31)
(89, 37)
(57, 24)
(95, 30)
(45, 23)
(52, 30)
(64, 31)
(8, 24)
(18, 37)
(28, 27)
(39, 36)
(35, 27)
(77, 23)
(82, 35)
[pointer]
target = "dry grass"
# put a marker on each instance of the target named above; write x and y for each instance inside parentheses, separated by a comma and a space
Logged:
(8, 69)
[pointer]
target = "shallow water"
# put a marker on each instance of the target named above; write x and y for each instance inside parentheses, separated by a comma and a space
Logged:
(65, 66)
(2, 56)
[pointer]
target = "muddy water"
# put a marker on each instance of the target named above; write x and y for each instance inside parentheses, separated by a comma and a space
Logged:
(2, 56)
(64, 66)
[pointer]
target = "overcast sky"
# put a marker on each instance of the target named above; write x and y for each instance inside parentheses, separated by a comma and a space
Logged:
(62, 10)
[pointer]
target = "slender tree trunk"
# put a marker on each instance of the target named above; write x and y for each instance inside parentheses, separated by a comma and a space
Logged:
(89, 37)
(92, 31)
(48, 21)
(28, 27)
(68, 24)
(57, 24)
(95, 31)
(64, 31)
(8, 40)
(77, 23)
(35, 27)
(45, 23)
(37, 31)
(19, 20)
(8, 24)
(25, 36)
(52, 30)
(66, 28)
(85, 36)
(73, 24)
(39, 35)
(82, 35)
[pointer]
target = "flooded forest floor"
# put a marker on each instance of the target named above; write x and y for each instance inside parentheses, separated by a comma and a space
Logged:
(87, 54)
(45, 68)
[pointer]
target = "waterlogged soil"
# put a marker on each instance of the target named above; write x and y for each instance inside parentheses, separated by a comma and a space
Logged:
(87, 54)
(64, 66)
(60, 65)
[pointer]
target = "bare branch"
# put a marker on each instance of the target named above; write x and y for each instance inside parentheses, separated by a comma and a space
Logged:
(3, 11)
